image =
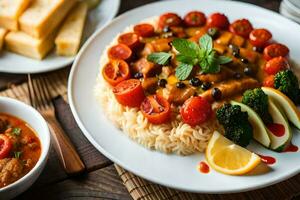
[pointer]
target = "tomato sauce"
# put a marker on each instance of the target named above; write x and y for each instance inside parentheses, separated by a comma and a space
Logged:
(277, 129)
(267, 159)
(203, 167)
(291, 148)
(22, 151)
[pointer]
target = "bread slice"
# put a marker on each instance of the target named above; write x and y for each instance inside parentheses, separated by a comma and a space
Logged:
(10, 10)
(44, 16)
(69, 36)
(2, 35)
(24, 44)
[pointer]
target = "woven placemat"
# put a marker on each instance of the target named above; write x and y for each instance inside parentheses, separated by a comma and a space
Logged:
(141, 189)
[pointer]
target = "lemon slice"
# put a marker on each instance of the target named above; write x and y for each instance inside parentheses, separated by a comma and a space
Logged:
(226, 157)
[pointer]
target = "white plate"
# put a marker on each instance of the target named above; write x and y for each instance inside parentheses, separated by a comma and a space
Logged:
(17, 64)
(173, 170)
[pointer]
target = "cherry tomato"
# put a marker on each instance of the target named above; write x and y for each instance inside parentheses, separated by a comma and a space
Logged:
(5, 146)
(169, 20)
(275, 65)
(195, 111)
(218, 20)
(156, 109)
(241, 27)
(260, 37)
(129, 93)
(275, 50)
(144, 30)
(116, 71)
(130, 39)
(269, 81)
(195, 18)
(120, 52)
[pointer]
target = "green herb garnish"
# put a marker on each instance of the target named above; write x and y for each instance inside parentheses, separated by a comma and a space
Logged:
(203, 55)
(16, 131)
(160, 58)
(17, 154)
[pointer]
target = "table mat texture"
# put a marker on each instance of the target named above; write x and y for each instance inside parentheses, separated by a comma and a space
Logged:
(141, 189)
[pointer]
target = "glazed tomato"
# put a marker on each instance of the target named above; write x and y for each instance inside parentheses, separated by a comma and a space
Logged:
(195, 111)
(241, 27)
(129, 93)
(218, 20)
(269, 81)
(144, 30)
(156, 109)
(119, 52)
(275, 50)
(5, 146)
(260, 37)
(275, 65)
(169, 20)
(195, 18)
(116, 71)
(130, 39)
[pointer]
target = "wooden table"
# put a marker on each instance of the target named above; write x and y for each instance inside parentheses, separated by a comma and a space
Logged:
(101, 180)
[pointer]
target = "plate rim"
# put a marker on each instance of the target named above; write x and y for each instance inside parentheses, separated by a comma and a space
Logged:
(116, 160)
(69, 60)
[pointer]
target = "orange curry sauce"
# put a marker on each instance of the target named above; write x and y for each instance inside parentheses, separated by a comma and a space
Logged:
(24, 151)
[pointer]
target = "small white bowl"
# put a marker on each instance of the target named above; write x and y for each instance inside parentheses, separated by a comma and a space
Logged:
(37, 122)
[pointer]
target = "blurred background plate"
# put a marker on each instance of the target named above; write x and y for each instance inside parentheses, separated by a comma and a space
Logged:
(97, 18)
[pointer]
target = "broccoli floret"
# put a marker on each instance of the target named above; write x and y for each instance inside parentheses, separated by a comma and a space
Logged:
(258, 101)
(286, 82)
(236, 124)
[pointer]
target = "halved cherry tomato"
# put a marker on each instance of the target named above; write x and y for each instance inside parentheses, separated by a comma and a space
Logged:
(260, 37)
(156, 109)
(144, 30)
(275, 65)
(5, 146)
(120, 52)
(269, 81)
(218, 20)
(130, 39)
(169, 20)
(195, 18)
(196, 110)
(275, 50)
(116, 71)
(129, 93)
(241, 27)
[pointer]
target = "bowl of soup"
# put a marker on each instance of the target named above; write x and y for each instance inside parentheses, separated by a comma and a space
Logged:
(24, 146)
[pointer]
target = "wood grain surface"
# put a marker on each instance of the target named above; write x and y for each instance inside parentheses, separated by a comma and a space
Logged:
(101, 181)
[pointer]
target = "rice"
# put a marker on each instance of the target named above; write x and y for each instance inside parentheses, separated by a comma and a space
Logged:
(173, 137)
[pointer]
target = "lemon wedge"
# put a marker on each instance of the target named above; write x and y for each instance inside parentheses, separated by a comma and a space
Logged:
(226, 157)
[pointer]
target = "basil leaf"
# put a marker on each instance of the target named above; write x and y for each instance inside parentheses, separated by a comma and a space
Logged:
(206, 43)
(186, 59)
(224, 60)
(16, 131)
(160, 58)
(183, 71)
(186, 47)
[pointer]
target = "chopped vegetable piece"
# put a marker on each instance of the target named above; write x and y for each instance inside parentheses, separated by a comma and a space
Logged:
(275, 50)
(129, 93)
(169, 20)
(115, 72)
(275, 65)
(120, 52)
(195, 18)
(260, 37)
(5, 146)
(156, 109)
(241, 27)
(218, 20)
(195, 111)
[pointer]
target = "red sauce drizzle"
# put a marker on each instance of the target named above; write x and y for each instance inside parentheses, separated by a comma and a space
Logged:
(277, 129)
(267, 159)
(203, 167)
(291, 148)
